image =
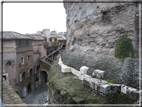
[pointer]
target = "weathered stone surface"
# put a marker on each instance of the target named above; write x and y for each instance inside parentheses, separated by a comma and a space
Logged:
(124, 89)
(65, 68)
(92, 31)
(64, 90)
(83, 70)
(63, 93)
(99, 23)
(98, 73)
(130, 73)
(60, 62)
(78, 100)
(115, 69)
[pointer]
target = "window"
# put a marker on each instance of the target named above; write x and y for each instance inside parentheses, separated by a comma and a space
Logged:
(29, 57)
(9, 63)
(27, 42)
(19, 42)
(22, 60)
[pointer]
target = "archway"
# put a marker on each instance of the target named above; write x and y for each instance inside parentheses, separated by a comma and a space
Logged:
(23, 76)
(36, 83)
(29, 88)
(23, 92)
(38, 68)
(31, 71)
(43, 77)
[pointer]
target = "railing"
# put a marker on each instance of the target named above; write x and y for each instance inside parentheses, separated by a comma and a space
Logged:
(53, 52)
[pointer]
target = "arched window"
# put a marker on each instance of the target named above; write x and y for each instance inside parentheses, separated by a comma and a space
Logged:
(23, 76)
(9, 63)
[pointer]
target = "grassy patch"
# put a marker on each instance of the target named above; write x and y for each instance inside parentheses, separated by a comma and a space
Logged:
(110, 81)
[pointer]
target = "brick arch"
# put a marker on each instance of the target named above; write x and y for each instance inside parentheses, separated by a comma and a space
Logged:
(43, 76)
(29, 71)
(23, 75)
(37, 68)
(44, 70)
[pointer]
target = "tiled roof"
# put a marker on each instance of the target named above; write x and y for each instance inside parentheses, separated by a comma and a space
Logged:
(36, 36)
(12, 35)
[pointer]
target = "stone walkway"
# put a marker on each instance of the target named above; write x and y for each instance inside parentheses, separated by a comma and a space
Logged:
(39, 96)
(10, 97)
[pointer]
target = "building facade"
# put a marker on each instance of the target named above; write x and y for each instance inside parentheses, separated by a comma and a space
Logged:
(46, 32)
(37, 43)
(21, 66)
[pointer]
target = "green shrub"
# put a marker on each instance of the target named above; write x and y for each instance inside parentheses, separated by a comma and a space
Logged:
(124, 48)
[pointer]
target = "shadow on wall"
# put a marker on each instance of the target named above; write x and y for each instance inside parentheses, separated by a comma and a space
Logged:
(126, 72)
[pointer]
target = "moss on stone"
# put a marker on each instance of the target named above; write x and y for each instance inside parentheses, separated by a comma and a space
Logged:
(124, 48)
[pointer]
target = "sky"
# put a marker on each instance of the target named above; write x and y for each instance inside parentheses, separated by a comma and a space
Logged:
(33, 17)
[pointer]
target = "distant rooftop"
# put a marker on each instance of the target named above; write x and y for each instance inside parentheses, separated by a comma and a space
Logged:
(12, 35)
(36, 36)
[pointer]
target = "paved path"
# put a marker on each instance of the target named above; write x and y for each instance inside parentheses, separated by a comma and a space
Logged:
(38, 96)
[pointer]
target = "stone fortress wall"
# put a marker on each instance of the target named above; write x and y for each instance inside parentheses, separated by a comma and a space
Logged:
(92, 31)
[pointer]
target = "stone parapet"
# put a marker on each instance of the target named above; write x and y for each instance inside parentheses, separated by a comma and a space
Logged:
(10, 97)
(102, 86)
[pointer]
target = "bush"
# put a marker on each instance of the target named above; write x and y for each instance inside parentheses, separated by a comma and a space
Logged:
(124, 48)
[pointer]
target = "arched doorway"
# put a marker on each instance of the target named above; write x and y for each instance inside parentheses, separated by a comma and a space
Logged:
(36, 83)
(31, 72)
(29, 88)
(23, 76)
(43, 77)
(38, 68)
(23, 92)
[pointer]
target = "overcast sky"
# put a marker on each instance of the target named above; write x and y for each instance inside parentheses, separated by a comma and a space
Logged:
(32, 17)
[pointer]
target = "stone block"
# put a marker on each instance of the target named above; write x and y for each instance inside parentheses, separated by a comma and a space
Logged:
(65, 68)
(60, 62)
(98, 73)
(123, 89)
(78, 100)
(108, 88)
(87, 81)
(71, 48)
(63, 93)
(133, 93)
(105, 89)
(83, 70)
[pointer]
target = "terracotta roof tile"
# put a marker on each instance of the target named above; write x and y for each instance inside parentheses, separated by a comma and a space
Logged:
(36, 36)
(12, 35)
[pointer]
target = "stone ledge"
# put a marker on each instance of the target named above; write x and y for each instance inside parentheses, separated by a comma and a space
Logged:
(10, 96)
(102, 86)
